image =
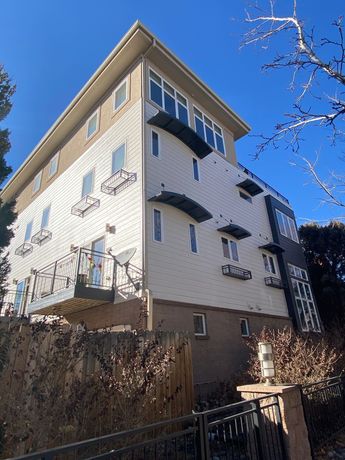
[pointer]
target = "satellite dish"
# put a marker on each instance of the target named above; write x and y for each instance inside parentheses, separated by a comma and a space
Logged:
(124, 257)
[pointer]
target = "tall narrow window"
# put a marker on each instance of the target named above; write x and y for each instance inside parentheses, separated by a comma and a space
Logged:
(199, 323)
(92, 124)
(118, 158)
(230, 250)
(45, 217)
(120, 95)
(244, 327)
(37, 182)
(157, 225)
(269, 263)
(305, 306)
(225, 246)
(87, 187)
(53, 165)
(193, 240)
(155, 144)
(287, 226)
(196, 174)
(234, 251)
(28, 231)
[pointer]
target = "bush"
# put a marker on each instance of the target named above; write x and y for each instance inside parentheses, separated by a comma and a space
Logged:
(298, 359)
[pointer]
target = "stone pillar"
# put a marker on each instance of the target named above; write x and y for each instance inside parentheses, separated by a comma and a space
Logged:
(293, 421)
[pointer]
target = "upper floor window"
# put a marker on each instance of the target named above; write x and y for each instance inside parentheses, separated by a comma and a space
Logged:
(245, 196)
(305, 306)
(287, 226)
(28, 231)
(53, 165)
(157, 225)
(163, 94)
(193, 239)
(45, 217)
(155, 147)
(88, 180)
(230, 250)
(196, 174)
(121, 94)
(37, 182)
(209, 131)
(118, 158)
(92, 124)
(269, 264)
(199, 320)
(298, 272)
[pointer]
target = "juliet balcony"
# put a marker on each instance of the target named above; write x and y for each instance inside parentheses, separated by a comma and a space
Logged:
(80, 280)
(236, 272)
(274, 282)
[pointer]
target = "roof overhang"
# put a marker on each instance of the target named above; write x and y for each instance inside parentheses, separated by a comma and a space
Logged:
(236, 231)
(183, 132)
(185, 204)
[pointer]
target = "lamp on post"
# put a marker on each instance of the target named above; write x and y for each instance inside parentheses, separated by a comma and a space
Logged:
(266, 362)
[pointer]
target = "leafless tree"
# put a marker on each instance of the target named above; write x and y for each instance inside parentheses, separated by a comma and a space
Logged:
(317, 83)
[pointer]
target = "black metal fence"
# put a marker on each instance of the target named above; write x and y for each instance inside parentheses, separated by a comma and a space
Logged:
(248, 430)
(324, 407)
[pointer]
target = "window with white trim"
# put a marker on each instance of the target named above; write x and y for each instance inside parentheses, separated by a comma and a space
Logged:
(269, 264)
(244, 325)
(121, 95)
(155, 144)
(298, 272)
(45, 217)
(37, 182)
(166, 96)
(193, 239)
(53, 165)
(199, 320)
(92, 124)
(209, 131)
(305, 306)
(287, 226)
(196, 173)
(157, 226)
(87, 186)
(230, 249)
(28, 231)
(118, 158)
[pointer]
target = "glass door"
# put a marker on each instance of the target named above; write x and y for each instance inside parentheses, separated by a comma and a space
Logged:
(96, 262)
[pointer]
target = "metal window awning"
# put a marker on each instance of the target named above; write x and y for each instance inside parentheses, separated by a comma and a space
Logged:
(251, 187)
(185, 204)
(273, 248)
(183, 132)
(236, 231)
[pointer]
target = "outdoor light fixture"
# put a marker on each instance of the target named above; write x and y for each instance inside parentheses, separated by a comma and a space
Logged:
(266, 362)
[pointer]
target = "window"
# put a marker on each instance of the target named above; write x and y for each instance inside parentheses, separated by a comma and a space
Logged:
(118, 158)
(45, 217)
(92, 124)
(199, 323)
(53, 165)
(287, 226)
(120, 95)
(37, 182)
(230, 250)
(157, 225)
(244, 324)
(209, 131)
(269, 263)
(87, 187)
(298, 272)
(163, 94)
(305, 306)
(196, 174)
(28, 231)
(155, 144)
(245, 196)
(192, 238)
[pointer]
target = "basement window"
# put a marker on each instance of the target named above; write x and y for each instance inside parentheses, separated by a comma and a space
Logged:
(244, 324)
(199, 324)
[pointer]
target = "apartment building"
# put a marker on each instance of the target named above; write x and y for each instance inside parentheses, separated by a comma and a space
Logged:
(134, 212)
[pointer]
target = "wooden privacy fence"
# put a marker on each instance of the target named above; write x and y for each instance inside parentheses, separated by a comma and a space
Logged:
(61, 385)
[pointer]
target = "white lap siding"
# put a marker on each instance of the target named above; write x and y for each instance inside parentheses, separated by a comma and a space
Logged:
(174, 272)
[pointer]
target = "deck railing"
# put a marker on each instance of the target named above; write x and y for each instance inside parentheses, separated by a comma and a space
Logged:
(14, 302)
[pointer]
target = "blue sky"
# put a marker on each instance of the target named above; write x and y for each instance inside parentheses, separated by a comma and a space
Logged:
(51, 48)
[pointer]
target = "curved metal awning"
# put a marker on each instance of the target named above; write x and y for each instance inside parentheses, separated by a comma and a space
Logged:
(273, 248)
(185, 204)
(251, 187)
(183, 132)
(236, 231)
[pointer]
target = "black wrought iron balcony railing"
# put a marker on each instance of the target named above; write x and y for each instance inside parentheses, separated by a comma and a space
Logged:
(236, 272)
(274, 282)
(118, 182)
(41, 237)
(86, 205)
(14, 302)
(82, 267)
(24, 249)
